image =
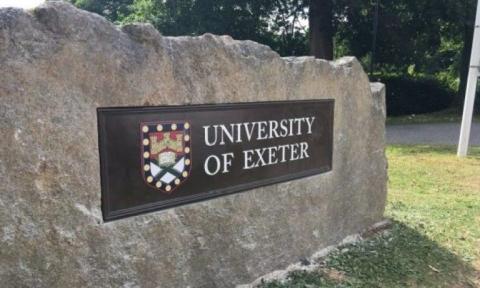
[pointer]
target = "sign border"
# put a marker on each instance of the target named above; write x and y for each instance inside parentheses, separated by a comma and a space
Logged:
(109, 215)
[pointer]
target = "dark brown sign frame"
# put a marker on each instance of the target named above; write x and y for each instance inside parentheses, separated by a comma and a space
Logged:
(120, 133)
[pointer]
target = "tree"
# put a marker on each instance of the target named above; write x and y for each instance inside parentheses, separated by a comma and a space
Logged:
(270, 22)
(462, 16)
(320, 20)
(113, 10)
(415, 37)
(286, 23)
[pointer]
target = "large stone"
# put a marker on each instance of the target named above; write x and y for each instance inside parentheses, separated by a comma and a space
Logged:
(58, 64)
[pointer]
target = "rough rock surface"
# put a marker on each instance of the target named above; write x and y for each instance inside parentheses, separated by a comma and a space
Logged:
(58, 64)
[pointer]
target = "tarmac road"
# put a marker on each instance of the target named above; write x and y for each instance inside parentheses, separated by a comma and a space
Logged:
(433, 133)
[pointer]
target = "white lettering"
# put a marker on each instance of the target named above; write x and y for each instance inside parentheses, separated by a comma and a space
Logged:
(303, 150)
(262, 128)
(227, 162)
(247, 159)
(283, 126)
(207, 142)
(249, 132)
(229, 134)
(206, 165)
(272, 129)
(310, 123)
(293, 152)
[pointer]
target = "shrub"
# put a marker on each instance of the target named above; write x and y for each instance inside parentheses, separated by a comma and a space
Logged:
(408, 95)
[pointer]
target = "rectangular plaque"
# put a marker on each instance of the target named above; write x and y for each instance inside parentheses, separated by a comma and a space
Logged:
(154, 158)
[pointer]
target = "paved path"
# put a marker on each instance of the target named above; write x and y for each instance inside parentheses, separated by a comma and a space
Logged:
(434, 133)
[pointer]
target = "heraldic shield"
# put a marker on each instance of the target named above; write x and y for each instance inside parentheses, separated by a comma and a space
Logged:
(166, 154)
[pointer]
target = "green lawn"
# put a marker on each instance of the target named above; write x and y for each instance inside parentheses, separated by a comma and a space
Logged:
(445, 116)
(434, 204)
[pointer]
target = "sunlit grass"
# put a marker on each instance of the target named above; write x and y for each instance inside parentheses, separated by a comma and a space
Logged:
(434, 203)
(432, 190)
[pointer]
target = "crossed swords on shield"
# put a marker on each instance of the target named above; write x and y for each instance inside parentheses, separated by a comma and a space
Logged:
(166, 155)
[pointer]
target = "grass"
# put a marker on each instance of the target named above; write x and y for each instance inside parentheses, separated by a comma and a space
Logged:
(434, 204)
(444, 116)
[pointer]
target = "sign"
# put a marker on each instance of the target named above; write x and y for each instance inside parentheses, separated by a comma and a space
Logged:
(153, 158)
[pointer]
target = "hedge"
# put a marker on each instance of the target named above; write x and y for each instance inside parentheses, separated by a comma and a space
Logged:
(408, 95)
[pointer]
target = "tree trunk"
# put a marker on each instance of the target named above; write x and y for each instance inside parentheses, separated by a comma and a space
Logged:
(320, 18)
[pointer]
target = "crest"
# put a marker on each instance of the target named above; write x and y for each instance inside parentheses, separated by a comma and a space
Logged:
(166, 154)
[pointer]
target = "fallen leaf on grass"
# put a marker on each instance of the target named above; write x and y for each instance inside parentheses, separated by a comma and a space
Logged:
(335, 275)
(434, 269)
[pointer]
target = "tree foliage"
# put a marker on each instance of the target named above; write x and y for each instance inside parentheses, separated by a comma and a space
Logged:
(113, 10)
(415, 37)
(272, 22)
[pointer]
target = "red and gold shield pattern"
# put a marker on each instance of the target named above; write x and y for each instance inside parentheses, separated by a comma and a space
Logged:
(166, 154)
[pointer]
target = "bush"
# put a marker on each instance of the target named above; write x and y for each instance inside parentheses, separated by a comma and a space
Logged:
(408, 95)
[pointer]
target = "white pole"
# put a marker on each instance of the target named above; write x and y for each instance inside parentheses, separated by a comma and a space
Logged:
(471, 89)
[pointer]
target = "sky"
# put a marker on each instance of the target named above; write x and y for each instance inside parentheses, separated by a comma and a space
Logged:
(20, 3)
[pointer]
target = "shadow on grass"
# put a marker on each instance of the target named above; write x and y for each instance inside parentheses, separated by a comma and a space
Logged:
(398, 257)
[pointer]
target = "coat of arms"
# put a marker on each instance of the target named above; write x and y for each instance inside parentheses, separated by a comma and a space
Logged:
(166, 154)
